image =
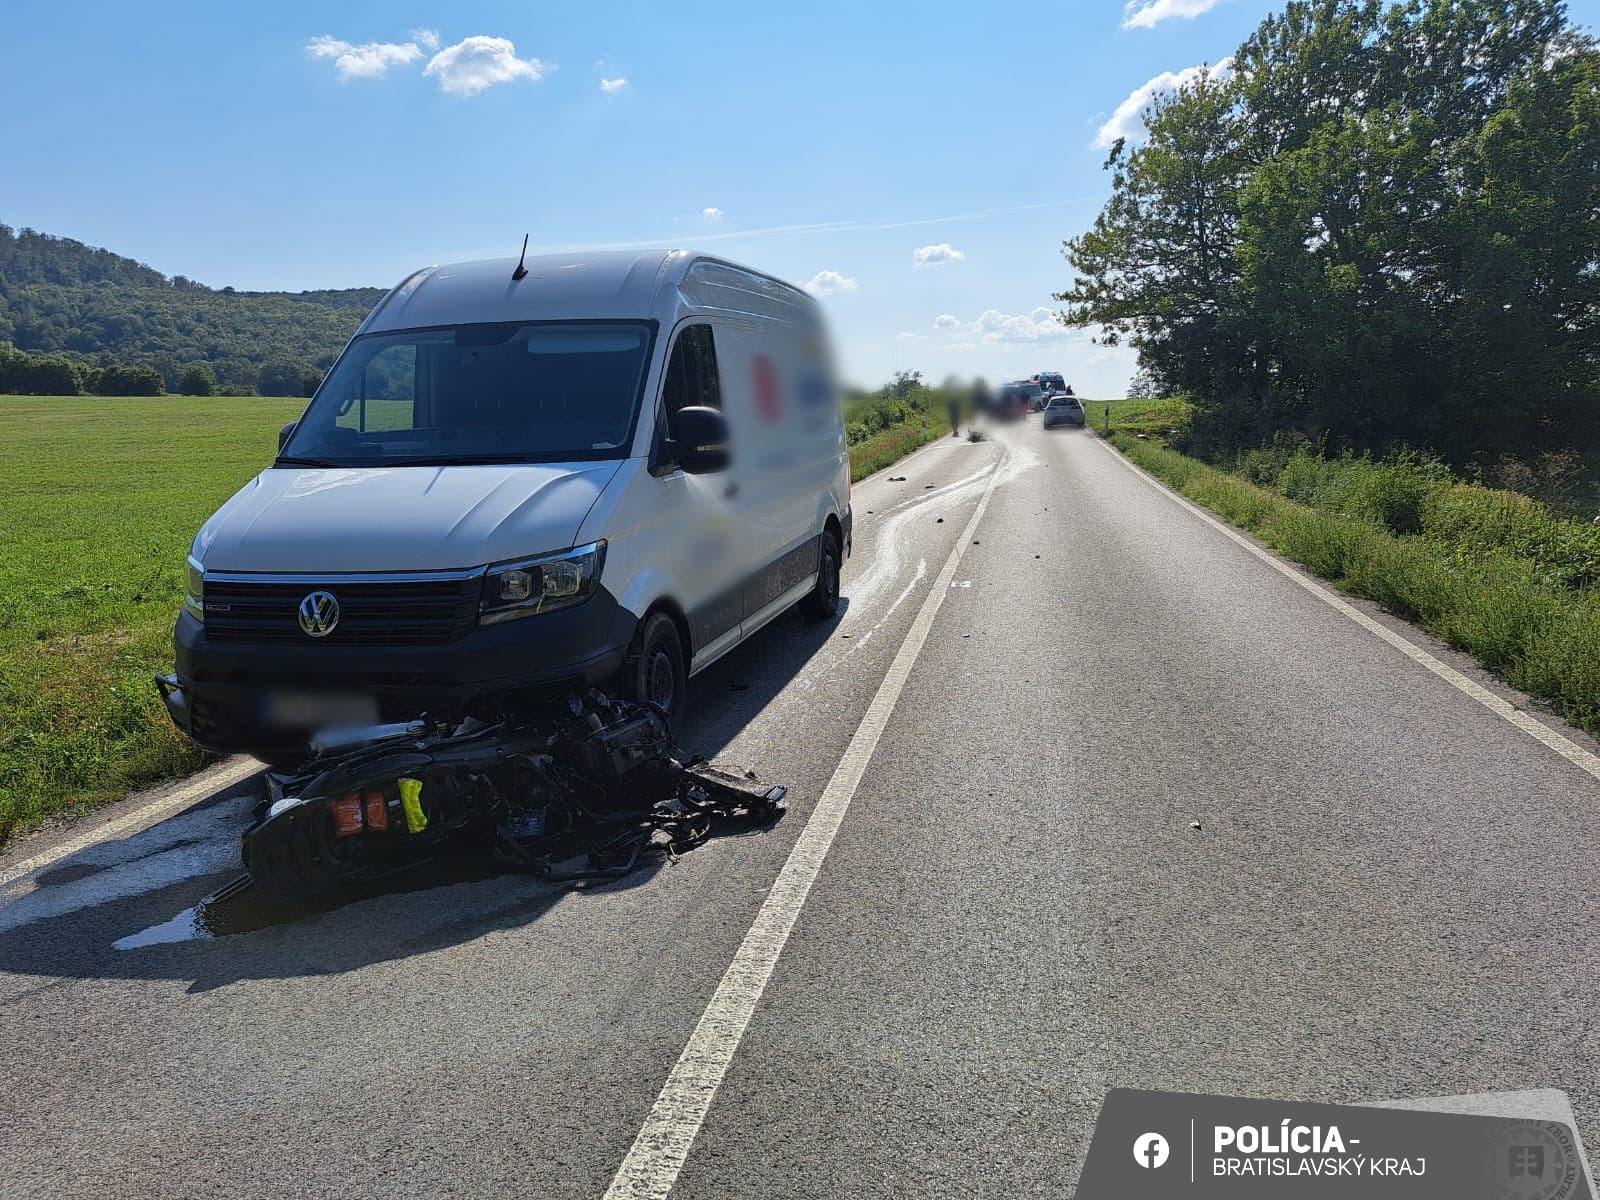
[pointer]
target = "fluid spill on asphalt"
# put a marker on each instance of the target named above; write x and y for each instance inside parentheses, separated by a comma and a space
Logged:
(190, 845)
(184, 927)
(239, 907)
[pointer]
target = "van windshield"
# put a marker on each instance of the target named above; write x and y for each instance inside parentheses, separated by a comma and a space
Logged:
(494, 393)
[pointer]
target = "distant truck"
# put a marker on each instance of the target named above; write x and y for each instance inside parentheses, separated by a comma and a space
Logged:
(1052, 381)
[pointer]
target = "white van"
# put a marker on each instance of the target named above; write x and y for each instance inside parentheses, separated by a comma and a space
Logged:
(523, 479)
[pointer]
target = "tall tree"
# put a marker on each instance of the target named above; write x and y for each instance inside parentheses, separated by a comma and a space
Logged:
(1383, 230)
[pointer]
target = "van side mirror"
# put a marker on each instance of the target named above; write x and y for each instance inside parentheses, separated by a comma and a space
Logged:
(699, 442)
(284, 434)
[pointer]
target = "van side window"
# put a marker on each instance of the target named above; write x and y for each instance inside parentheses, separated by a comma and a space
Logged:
(385, 393)
(692, 372)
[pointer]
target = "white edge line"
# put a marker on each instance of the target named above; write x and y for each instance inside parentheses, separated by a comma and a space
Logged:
(196, 788)
(1536, 729)
(652, 1164)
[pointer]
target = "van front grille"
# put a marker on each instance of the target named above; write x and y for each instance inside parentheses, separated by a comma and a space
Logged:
(372, 611)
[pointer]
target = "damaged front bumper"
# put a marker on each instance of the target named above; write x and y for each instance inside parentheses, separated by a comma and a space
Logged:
(225, 694)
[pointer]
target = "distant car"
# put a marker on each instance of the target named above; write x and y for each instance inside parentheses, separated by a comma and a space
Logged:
(1051, 381)
(1063, 410)
(1010, 402)
(1031, 393)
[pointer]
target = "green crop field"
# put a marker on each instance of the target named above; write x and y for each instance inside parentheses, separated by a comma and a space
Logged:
(99, 500)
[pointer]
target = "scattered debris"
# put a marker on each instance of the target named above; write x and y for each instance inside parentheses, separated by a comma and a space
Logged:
(897, 479)
(1194, 824)
(940, 521)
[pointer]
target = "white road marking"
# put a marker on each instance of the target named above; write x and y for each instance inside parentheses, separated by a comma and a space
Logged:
(889, 540)
(658, 1153)
(191, 791)
(1536, 729)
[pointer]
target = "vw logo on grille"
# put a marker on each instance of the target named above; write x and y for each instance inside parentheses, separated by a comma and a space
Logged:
(319, 613)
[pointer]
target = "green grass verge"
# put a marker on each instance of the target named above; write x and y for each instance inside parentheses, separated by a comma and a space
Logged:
(1157, 418)
(99, 500)
(892, 444)
(1508, 611)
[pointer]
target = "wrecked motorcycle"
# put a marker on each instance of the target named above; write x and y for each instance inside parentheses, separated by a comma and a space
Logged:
(591, 789)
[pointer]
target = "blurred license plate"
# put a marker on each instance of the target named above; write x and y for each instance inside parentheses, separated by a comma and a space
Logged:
(318, 710)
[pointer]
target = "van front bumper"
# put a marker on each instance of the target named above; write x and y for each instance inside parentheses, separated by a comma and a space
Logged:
(219, 693)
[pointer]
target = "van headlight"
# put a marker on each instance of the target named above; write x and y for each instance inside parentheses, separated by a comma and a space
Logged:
(539, 585)
(194, 589)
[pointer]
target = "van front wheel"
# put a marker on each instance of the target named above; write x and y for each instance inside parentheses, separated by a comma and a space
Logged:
(654, 673)
(823, 600)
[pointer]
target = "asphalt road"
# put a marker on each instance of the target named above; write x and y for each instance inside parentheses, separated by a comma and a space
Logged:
(1392, 892)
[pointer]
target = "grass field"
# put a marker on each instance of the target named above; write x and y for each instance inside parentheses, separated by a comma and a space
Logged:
(99, 500)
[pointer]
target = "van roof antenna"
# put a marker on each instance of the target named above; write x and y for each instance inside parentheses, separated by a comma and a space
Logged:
(522, 271)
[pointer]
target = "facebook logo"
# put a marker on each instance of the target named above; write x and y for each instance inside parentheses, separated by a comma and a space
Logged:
(1150, 1150)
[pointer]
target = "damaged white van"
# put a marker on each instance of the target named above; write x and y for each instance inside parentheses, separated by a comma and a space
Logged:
(519, 479)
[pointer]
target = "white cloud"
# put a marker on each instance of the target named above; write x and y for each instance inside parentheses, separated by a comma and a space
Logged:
(1144, 14)
(932, 256)
(996, 327)
(711, 214)
(1038, 325)
(479, 62)
(824, 282)
(366, 61)
(1128, 120)
(905, 335)
(426, 38)
(613, 85)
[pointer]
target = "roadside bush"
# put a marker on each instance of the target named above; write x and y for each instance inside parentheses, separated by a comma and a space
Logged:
(1477, 520)
(1393, 493)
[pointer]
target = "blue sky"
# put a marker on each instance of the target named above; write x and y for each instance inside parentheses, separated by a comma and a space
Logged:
(299, 145)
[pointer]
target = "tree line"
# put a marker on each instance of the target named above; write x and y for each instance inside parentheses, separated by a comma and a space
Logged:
(25, 374)
(87, 310)
(1376, 227)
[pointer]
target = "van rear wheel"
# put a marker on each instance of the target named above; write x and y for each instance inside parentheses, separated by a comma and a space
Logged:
(823, 599)
(654, 673)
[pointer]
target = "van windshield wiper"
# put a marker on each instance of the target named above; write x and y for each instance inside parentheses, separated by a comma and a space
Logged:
(282, 461)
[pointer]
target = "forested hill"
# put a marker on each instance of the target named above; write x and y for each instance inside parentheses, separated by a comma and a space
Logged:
(59, 296)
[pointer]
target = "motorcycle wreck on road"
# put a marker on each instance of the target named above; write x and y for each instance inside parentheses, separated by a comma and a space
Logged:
(590, 789)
